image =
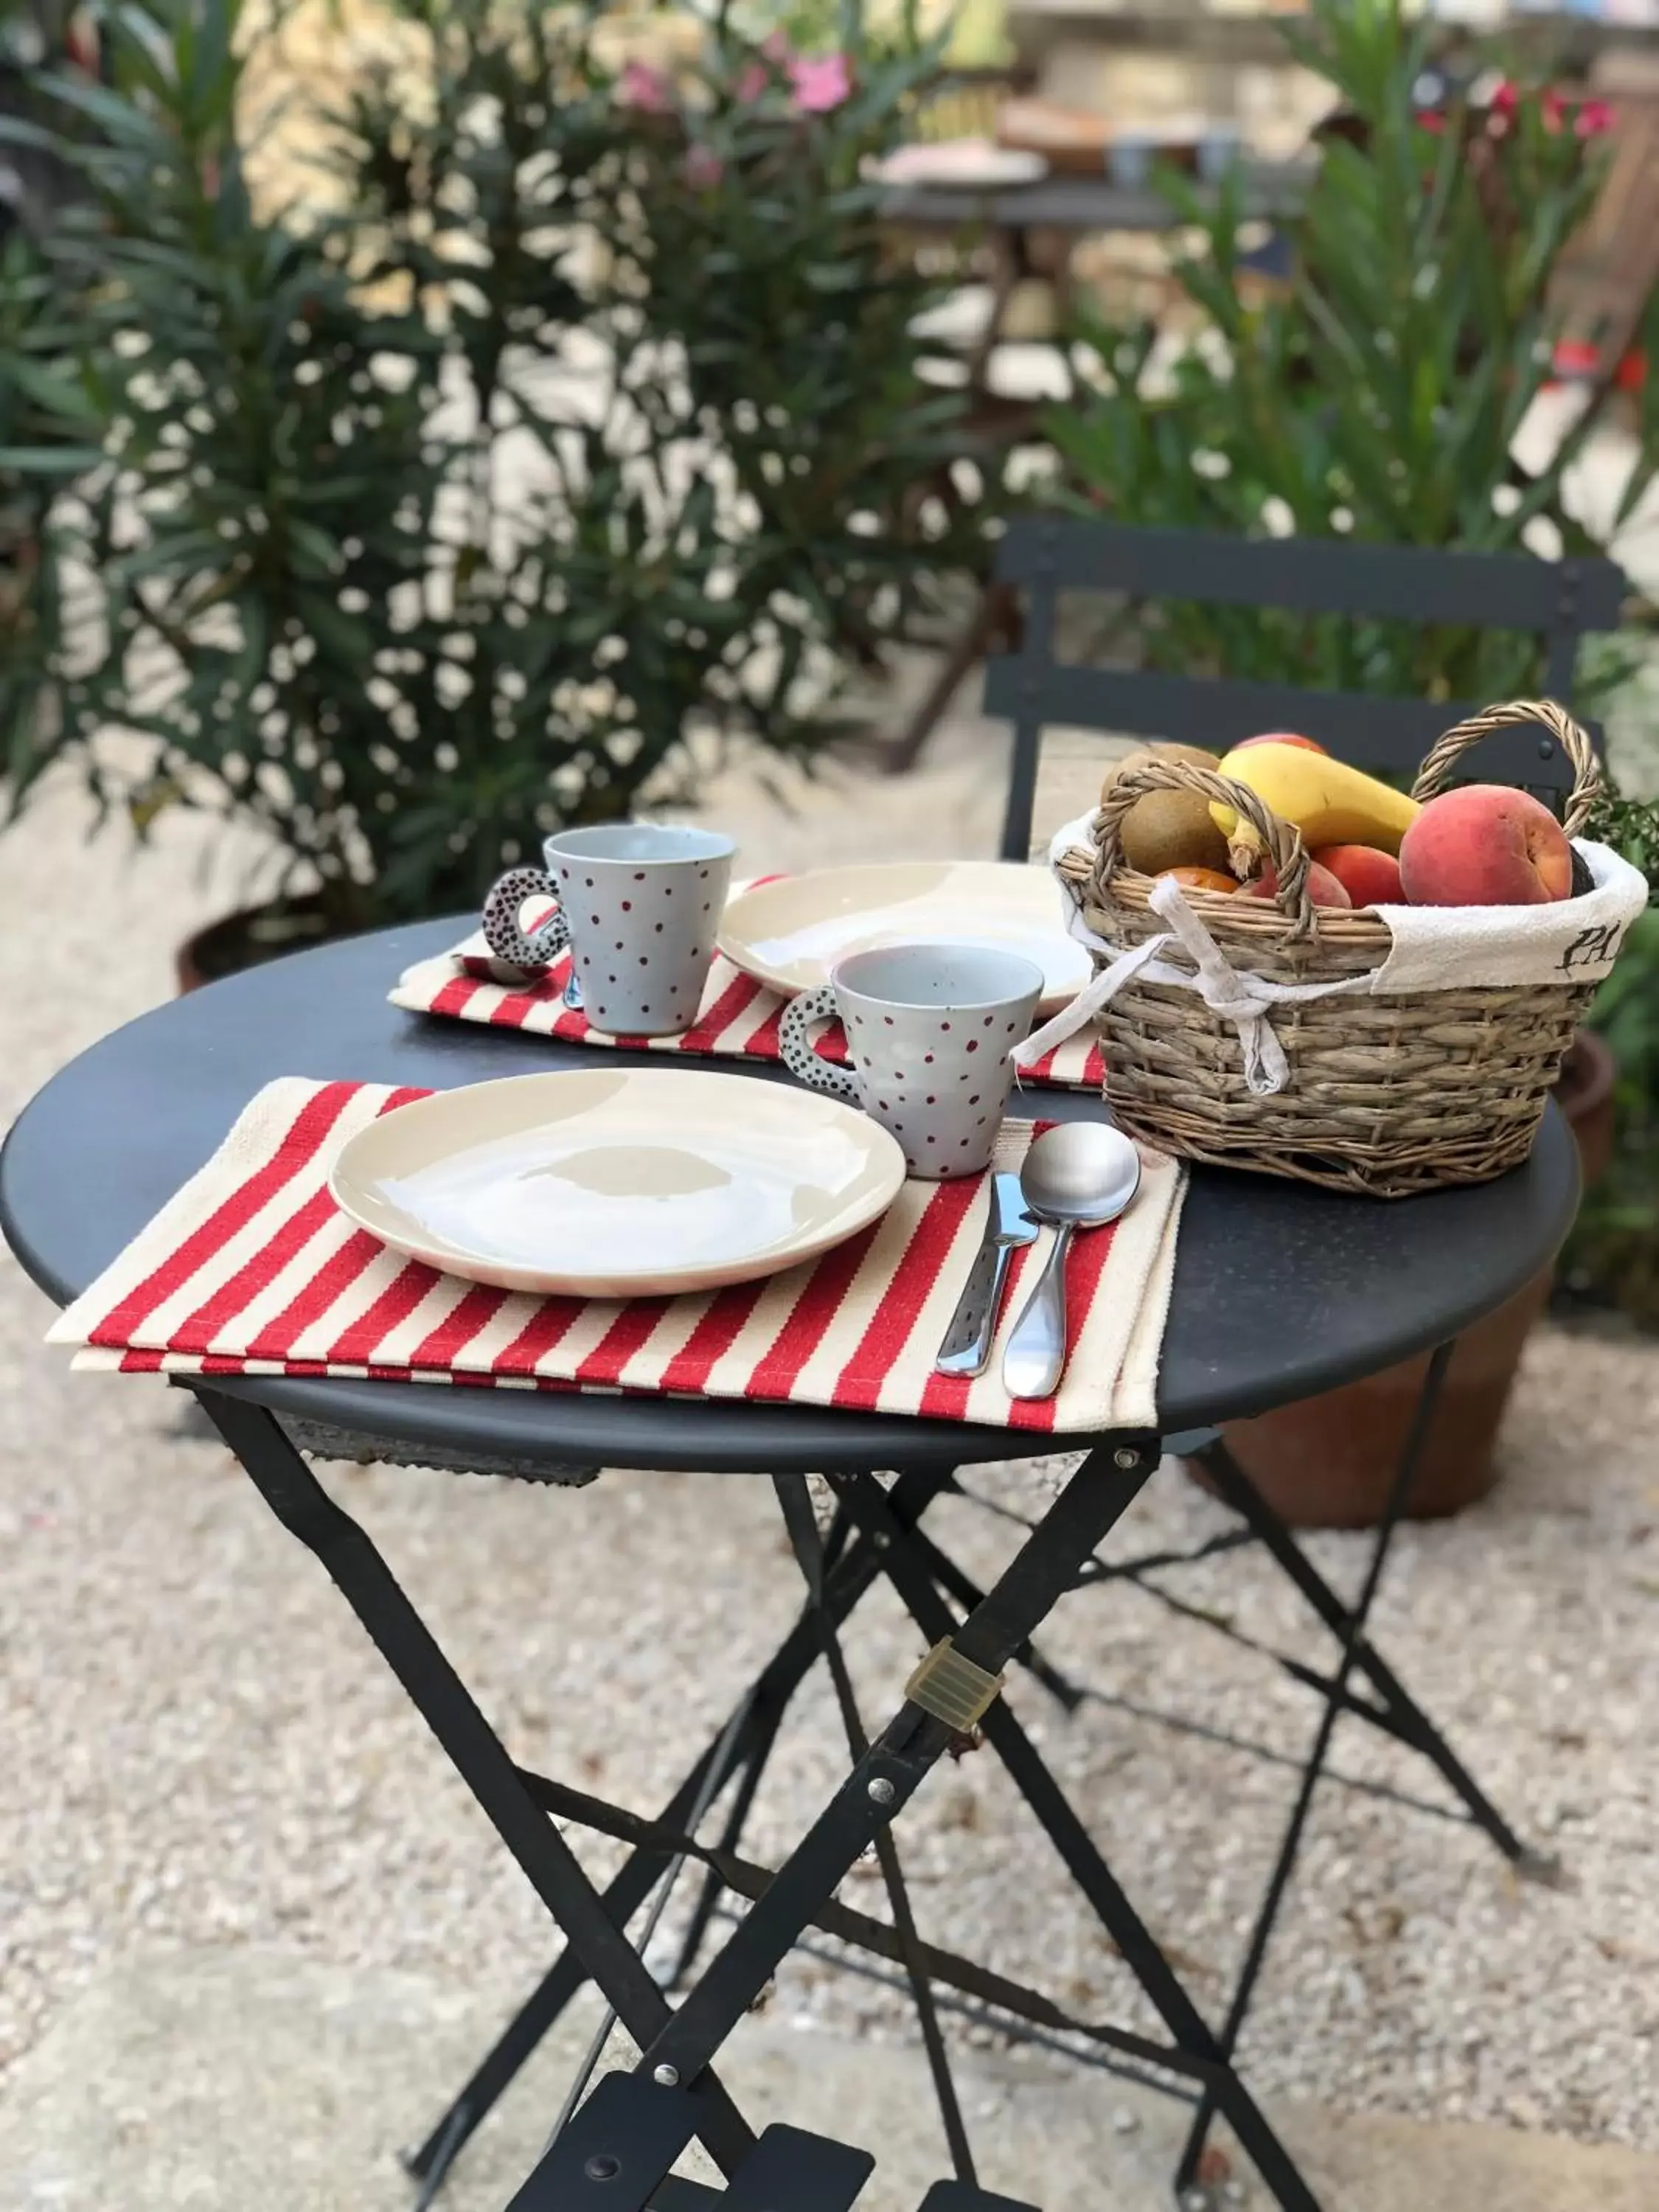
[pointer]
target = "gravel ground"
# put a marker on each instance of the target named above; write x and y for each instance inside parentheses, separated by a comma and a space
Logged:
(203, 1749)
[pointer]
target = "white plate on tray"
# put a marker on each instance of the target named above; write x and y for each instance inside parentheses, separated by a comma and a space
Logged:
(969, 165)
(617, 1182)
(790, 933)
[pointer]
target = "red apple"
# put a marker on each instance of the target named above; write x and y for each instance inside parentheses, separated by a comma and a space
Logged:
(1369, 877)
(1279, 738)
(1324, 889)
(1485, 845)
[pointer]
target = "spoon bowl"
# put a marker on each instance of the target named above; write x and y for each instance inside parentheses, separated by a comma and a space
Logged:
(1081, 1175)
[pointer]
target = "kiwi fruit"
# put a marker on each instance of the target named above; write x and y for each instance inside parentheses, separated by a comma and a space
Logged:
(1142, 754)
(1173, 830)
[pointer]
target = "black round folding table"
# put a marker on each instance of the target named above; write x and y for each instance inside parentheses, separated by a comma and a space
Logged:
(1280, 1290)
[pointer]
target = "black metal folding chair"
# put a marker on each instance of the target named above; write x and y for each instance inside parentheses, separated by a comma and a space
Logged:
(1040, 557)
(1043, 556)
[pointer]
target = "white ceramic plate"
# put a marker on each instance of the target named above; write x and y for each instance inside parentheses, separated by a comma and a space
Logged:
(618, 1183)
(789, 934)
(963, 164)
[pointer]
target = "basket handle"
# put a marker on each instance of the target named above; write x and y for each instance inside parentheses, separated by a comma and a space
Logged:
(1571, 736)
(1283, 841)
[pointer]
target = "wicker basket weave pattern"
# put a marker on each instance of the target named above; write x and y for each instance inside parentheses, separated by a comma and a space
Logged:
(1388, 1094)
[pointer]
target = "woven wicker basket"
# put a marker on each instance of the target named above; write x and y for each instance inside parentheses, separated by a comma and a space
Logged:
(1388, 1094)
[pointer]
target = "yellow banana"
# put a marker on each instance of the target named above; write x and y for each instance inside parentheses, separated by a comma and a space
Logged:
(1328, 802)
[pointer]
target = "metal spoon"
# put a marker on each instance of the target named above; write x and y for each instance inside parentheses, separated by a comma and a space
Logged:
(1079, 1175)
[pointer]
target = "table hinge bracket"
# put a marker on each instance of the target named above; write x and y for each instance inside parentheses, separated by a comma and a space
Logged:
(952, 1689)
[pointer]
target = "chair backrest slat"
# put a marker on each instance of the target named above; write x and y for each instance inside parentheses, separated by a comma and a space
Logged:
(1388, 735)
(1315, 575)
(1045, 555)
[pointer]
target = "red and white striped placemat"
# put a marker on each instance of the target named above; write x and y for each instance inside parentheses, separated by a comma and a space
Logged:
(738, 1019)
(252, 1269)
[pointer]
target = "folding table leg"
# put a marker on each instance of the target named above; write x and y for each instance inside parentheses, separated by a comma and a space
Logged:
(300, 1501)
(567, 1976)
(731, 1839)
(882, 1782)
(1405, 1719)
(1193, 2196)
(854, 1568)
(429, 2165)
(802, 1526)
(967, 1594)
(771, 1703)
(909, 1570)
(960, 1585)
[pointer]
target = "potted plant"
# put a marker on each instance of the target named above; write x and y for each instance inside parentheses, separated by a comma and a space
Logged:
(1377, 393)
(437, 512)
(1611, 1258)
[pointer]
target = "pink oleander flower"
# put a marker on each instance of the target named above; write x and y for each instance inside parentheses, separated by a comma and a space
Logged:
(646, 88)
(756, 78)
(703, 167)
(819, 82)
(1591, 118)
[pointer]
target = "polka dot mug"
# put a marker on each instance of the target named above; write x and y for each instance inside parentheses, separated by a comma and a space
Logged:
(929, 1029)
(639, 904)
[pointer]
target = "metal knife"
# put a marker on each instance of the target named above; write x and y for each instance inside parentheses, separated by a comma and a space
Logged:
(967, 1347)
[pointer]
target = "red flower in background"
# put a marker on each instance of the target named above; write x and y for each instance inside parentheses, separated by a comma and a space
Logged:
(820, 82)
(1589, 118)
(80, 41)
(646, 88)
(757, 78)
(703, 167)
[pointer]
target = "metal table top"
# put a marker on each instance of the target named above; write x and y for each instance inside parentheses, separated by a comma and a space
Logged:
(1281, 1289)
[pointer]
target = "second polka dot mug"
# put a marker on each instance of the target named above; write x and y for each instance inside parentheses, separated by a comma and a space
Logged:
(639, 904)
(929, 1029)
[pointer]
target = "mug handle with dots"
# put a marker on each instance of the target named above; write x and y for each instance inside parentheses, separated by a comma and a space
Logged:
(504, 931)
(795, 1046)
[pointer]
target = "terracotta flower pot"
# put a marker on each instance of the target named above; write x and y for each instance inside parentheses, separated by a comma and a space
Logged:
(251, 935)
(1326, 1463)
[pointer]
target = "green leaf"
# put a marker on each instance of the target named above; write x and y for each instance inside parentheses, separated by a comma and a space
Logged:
(59, 394)
(51, 460)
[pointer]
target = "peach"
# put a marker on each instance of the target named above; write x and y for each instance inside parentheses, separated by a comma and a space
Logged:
(1324, 889)
(1369, 877)
(1485, 845)
(1279, 738)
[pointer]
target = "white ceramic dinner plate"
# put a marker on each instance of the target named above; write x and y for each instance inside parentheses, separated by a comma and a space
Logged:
(617, 1182)
(790, 933)
(963, 164)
